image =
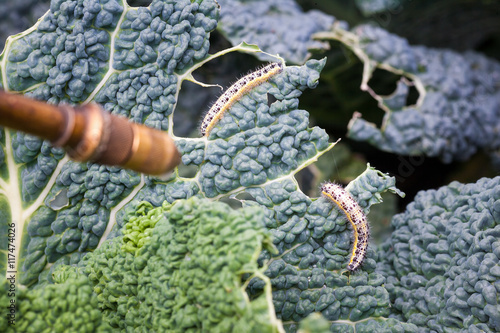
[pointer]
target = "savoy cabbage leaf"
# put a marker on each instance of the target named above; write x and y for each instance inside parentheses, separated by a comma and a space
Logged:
(184, 267)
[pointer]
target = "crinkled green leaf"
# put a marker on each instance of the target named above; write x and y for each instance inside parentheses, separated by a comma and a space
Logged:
(69, 305)
(186, 273)
(314, 323)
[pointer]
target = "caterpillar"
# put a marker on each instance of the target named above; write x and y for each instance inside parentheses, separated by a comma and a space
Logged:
(235, 92)
(356, 216)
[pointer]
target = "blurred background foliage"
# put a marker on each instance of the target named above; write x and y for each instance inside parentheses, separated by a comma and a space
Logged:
(459, 25)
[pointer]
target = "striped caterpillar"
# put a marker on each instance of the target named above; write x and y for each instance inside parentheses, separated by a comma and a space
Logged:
(358, 220)
(235, 92)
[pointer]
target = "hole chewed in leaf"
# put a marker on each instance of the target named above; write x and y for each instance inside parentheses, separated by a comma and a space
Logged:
(139, 3)
(412, 97)
(383, 82)
(60, 201)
